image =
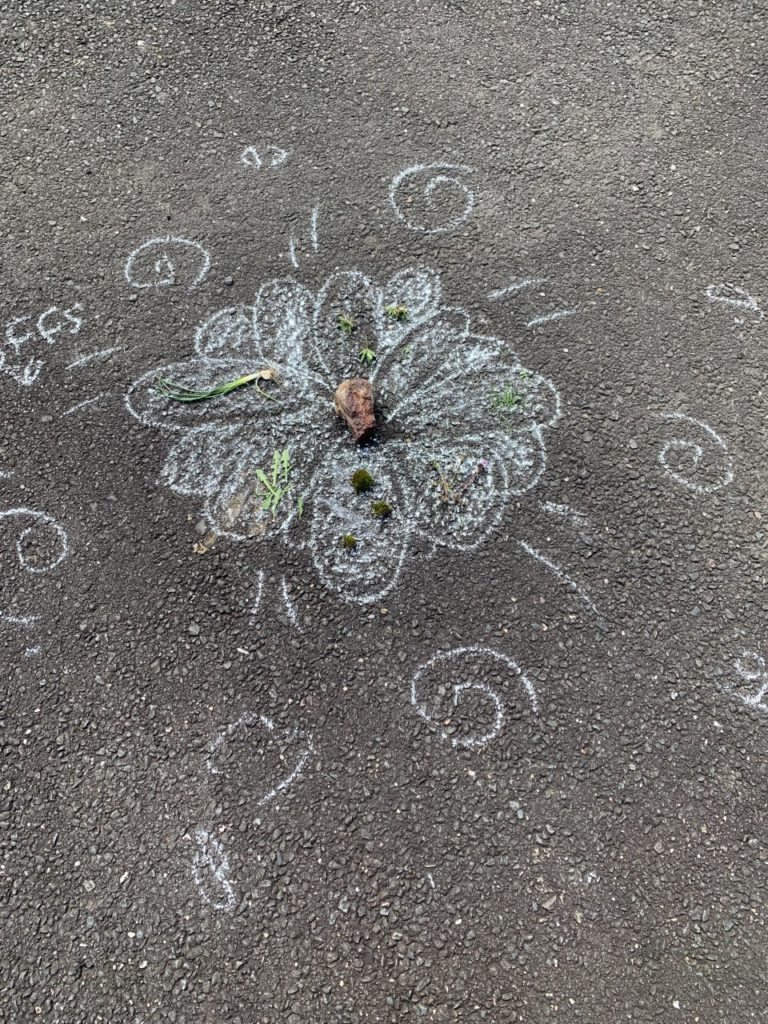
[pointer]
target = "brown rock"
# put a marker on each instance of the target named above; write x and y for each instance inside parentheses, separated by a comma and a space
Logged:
(354, 402)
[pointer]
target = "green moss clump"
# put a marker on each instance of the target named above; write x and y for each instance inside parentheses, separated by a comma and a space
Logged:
(349, 541)
(362, 481)
(381, 509)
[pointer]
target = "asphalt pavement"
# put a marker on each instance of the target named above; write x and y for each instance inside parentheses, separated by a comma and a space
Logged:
(464, 723)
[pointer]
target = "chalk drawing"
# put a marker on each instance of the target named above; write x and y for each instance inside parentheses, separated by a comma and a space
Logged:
(685, 461)
(41, 546)
(84, 403)
(6, 474)
(561, 575)
(21, 356)
(750, 667)
(292, 746)
(154, 263)
(472, 665)
(32, 652)
(559, 314)
(517, 286)
(292, 253)
(731, 295)
(430, 879)
(418, 188)
(252, 158)
(466, 426)
(210, 871)
(93, 357)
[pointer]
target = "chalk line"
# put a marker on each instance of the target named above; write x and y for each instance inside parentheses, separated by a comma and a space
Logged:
(290, 607)
(82, 405)
(560, 314)
(517, 286)
(19, 620)
(211, 864)
(259, 590)
(313, 228)
(32, 652)
(103, 353)
(292, 253)
(562, 576)
(747, 301)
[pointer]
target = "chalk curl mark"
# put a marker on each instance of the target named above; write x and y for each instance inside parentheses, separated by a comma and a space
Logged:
(162, 262)
(294, 748)
(210, 870)
(685, 461)
(474, 665)
(41, 545)
(436, 196)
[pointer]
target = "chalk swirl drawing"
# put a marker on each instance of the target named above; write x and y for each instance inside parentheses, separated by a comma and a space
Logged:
(461, 426)
(41, 546)
(688, 463)
(479, 677)
(266, 760)
(210, 871)
(23, 347)
(171, 260)
(750, 667)
(731, 295)
(432, 197)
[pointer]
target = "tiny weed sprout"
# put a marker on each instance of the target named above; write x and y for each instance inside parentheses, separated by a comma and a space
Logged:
(346, 323)
(180, 393)
(349, 541)
(397, 312)
(381, 509)
(276, 487)
(367, 355)
(506, 400)
(361, 481)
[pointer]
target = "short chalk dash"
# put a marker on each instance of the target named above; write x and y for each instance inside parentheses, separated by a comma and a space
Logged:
(290, 607)
(731, 295)
(81, 405)
(93, 357)
(32, 652)
(562, 576)
(559, 314)
(517, 286)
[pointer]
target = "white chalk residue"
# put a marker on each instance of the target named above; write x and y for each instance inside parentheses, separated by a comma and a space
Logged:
(466, 426)
(93, 357)
(252, 158)
(416, 190)
(560, 574)
(685, 462)
(290, 608)
(166, 261)
(82, 405)
(517, 286)
(289, 745)
(259, 590)
(22, 350)
(210, 871)
(474, 665)
(731, 295)
(750, 667)
(546, 318)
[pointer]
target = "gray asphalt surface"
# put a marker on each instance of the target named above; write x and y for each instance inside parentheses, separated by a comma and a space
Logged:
(220, 810)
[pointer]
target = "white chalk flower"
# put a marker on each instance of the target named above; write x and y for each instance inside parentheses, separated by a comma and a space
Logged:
(460, 424)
